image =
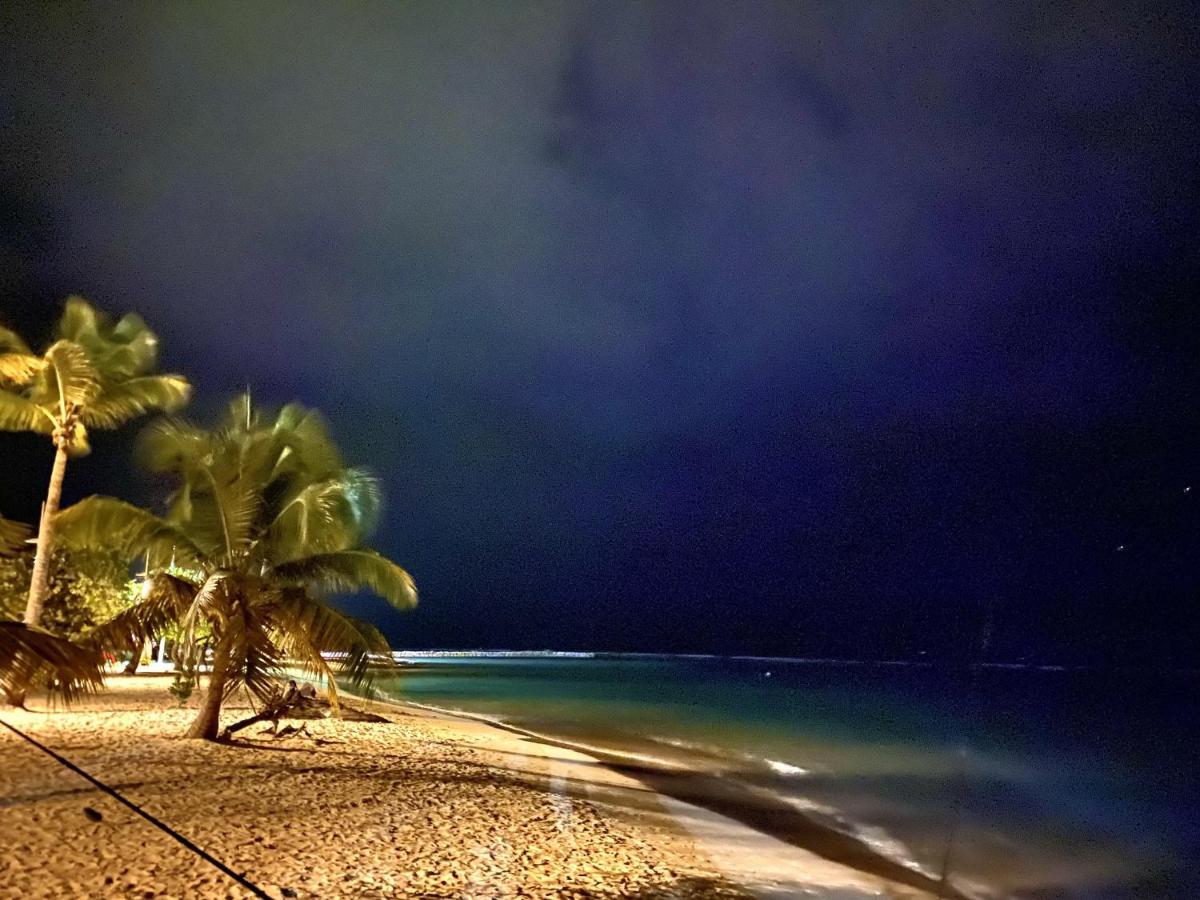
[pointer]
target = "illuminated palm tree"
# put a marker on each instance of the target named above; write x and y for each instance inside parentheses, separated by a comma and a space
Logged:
(97, 374)
(264, 522)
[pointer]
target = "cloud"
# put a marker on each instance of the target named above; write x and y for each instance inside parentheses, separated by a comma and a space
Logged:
(618, 212)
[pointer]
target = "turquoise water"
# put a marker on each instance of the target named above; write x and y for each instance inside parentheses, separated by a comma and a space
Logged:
(1027, 783)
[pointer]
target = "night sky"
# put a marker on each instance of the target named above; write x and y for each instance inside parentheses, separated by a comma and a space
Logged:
(792, 328)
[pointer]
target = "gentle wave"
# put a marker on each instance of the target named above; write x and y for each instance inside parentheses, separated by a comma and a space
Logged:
(878, 839)
(786, 768)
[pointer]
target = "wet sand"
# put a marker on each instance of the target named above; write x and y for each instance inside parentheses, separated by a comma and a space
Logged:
(419, 805)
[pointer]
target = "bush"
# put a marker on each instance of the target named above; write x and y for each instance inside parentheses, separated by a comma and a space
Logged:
(87, 587)
(182, 685)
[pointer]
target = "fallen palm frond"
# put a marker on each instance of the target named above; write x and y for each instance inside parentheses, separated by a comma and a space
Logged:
(32, 657)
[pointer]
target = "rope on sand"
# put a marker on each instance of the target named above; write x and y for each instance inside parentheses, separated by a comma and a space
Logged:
(157, 823)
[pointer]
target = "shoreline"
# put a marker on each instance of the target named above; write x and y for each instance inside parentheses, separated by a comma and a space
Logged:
(425, 804)
(737, 805)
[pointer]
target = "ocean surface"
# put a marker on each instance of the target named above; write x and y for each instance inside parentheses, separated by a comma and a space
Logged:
(1020, 781)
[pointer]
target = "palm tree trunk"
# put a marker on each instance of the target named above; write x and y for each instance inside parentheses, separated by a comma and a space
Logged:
(135, 660)
(40, 583)
(209, 717)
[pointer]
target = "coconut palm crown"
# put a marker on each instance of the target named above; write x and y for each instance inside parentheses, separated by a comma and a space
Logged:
(97, 374)
(264, 522)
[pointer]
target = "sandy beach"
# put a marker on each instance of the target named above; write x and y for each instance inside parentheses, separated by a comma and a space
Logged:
(419, 805)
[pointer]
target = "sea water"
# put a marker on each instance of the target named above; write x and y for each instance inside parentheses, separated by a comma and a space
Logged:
(1020, 781)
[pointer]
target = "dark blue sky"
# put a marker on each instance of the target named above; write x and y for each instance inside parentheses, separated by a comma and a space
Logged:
(757, 327)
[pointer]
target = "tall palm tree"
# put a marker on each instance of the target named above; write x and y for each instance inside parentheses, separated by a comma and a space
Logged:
(264, 522)
(97, 374)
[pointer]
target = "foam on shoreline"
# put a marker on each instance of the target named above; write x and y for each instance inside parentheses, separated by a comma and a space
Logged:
(812, 827)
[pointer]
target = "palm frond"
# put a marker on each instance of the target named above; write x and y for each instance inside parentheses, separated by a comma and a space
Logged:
(121, 401)
(324, 517)
(128, 349)
(352, 570)
(310, 451)
(229, 504)
(123, 356)
(255, 659)
(11, 342)
(210, 605)
(173, 445)
(79, 320)
(107, 523)
(20, 368)
(164, 600)
(372, 635)
(258, 660)
(362, 496)
(123, 350)
(31, 656)
(306, 628)
(68, 379)
(19, 413)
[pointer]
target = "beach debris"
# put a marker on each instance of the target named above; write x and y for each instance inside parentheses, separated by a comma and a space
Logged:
(296, 702)
(93, 815)
(291, 700)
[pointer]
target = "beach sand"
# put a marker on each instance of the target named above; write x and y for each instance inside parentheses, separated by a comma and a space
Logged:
(422, 805)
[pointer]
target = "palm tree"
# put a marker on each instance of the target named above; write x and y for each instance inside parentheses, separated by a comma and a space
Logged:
(265, 521)
(97, 374)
